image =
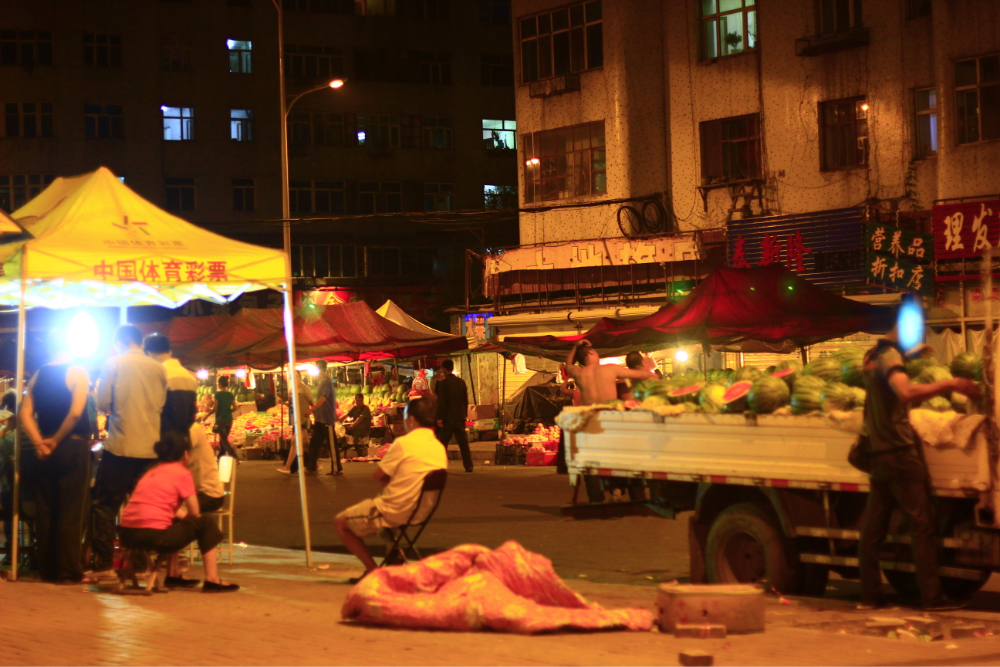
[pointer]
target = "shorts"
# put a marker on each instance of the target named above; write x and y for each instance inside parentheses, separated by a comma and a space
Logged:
(364, 519)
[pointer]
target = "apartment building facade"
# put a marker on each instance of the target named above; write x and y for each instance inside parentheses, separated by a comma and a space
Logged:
(181, 100)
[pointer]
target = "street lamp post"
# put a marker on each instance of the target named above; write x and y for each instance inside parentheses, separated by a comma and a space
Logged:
(287, 242)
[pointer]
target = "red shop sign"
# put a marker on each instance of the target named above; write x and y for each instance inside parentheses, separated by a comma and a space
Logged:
(966, 229)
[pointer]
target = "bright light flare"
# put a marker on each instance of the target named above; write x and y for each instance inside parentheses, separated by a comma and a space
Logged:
(864, 107)
(312, 370)
(532, 162)
(241, 373)
(910, 325)
(202, 374)
(337, 83)
(682, 356)
(83, 336)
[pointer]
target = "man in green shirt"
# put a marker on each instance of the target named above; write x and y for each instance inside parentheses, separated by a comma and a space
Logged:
(225, 401)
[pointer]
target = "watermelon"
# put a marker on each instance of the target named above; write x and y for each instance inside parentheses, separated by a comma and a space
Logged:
(858, 396)
(812, 382)
(641, 389)
(827, 368)
(767, 395)
(967, 365)
(770, 369)
(654, 401)
(932, 374)
(691, 407)
(852, 371)
(710, 398)
(790, 370)
(960, 403)
(938, 404)
(836, 396)
(849, 353)
(746, 373)
(685, 393)
(805, 395)
(735, 398)
(916, 366)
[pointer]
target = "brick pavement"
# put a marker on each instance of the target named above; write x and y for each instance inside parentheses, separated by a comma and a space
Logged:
(289, 614)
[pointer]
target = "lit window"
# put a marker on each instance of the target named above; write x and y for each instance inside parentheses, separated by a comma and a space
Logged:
(178, 123)
(728, 27)
(241, 125)
(500, 134)
(499, 196)
(927, 129)
(240, 61)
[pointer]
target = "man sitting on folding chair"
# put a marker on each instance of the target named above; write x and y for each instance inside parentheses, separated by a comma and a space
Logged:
(402, 471)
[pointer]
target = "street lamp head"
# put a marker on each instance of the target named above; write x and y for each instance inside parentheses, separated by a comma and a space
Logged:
(337, 83)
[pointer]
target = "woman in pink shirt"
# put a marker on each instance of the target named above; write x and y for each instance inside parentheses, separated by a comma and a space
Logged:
(149, 521)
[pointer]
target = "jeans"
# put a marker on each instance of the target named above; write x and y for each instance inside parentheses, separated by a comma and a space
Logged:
(61, 491)
(321, 438)
(224, 446)
(116, 478)
(899, 479)
(457, 429)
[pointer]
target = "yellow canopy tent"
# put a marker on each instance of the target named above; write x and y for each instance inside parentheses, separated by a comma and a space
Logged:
(8, 226)
(91, 241)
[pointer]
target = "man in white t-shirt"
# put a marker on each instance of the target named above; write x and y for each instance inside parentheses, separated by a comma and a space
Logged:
(401, 473)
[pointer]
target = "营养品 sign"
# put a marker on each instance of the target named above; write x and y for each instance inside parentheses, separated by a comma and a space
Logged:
(899, 258)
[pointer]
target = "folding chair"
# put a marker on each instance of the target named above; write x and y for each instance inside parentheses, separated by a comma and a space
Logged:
(431, 491)
(227, 475)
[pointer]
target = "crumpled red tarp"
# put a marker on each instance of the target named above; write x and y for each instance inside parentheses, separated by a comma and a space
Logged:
(472, 587)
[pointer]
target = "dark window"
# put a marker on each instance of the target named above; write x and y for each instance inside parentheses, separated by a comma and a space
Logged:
(917, 8)
(16, 190)
(243, 194)
(730, 149)
(378, 130)
(437, 132)
(328, 128)
(499, 196)
(977, 88)
(316, 196)
(496, 12)
(300, 129)
(379, 198)
(241, 124)
(839, 15)
(434, 68)
(563, 41)
(376, 64)
(100, 50)
(103, 121)
(439, 197)
(728, 27)
(313, 63)
(376, 7)
(925, 107)
(497, 70)
(410, 131)
(240, 56)
(500, 134)
(320, 6)
(239, 3)
(175, 54)
(564, 163)
(28, 119)
(180, 194)
(25, 47)
(843, 134)
(425, 10)
(300, 196)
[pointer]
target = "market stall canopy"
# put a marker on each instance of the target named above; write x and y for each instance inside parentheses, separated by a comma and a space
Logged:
(8, 226)
(391, 311)
(91, 241)
(343, 332)
(768, 304)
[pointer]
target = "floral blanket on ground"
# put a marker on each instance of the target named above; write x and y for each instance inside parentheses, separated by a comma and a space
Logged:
(471, 587)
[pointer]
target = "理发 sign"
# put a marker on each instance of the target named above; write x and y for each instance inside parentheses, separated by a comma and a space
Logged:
(965, 229)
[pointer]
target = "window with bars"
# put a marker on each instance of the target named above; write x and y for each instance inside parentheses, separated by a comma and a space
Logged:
(925, 109)
(313, 63)
(566, 40)
(839, 15)
(439, 197)
(437, 132)
(500, 134)
(379, 198)
(240, 56)
(497, 70)
(730, 149)
(496, 12)
(320, 6)
(326, 261)
(103, 121)
(316, 196)
(101, 50)
(564, 163)
(25, 47)
(378, 130)
(28, 119)
(425, 10)
(435, 68)
(175, 54)
(16, 190)
(843, 134)
(977, 88)
(180, 194)
(728, 27)
(243, 195)
(499, 196)
(178, 123)
(241, 124)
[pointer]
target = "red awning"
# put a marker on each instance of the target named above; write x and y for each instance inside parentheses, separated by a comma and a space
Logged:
(345, 332)
(768, 304)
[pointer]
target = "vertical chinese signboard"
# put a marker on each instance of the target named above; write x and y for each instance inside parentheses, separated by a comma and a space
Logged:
(899, 258)
(966, 229)
(825, 247)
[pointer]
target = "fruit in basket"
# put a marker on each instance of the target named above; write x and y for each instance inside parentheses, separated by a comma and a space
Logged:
(710, 398)
(967, 365)
(767, 395)
(836, 396)
(827, 368)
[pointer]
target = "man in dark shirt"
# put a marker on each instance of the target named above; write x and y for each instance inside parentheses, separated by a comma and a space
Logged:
(182, 387)
(899, 475)
(360, 426)
(452, 408)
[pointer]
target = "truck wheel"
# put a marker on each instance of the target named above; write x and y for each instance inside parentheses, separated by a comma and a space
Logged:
(746, 546)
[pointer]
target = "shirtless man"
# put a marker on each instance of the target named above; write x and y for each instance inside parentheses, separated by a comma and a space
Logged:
(597, 382)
